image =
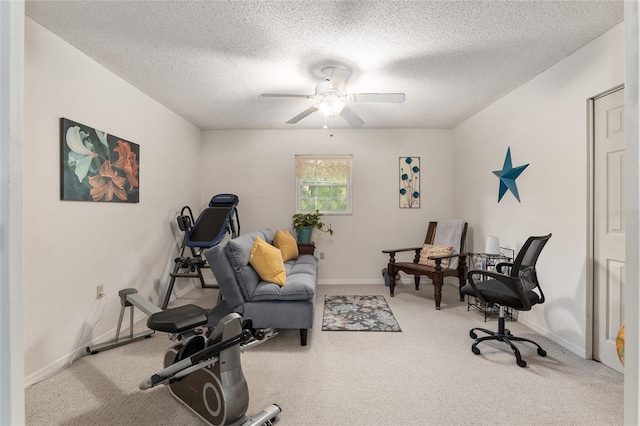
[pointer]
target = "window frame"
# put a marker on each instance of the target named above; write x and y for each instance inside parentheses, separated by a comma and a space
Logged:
(300, 181)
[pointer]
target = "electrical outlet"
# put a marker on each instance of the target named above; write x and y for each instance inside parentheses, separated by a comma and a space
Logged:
(321, 255)
(99, 291)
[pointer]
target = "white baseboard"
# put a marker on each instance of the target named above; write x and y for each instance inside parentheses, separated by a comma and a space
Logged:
(554, 338)
(66, 360)
(380, 281)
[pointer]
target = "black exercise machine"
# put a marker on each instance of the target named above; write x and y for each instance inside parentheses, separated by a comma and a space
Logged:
(214, 222)
(203, 369)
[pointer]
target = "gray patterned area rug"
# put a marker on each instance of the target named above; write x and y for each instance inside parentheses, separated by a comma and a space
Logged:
(358, 313)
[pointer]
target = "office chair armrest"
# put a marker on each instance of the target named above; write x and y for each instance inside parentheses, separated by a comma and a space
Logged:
(490, 274)
(501, 265)
(513, 283)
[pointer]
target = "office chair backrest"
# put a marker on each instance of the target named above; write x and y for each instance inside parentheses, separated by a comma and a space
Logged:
(528, 254)
(524, 264)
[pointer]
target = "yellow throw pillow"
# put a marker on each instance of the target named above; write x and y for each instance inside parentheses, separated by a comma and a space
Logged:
(430, 250)
(287, 245)
(267, 261)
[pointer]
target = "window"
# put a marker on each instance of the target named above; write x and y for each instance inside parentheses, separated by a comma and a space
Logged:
(323, 182)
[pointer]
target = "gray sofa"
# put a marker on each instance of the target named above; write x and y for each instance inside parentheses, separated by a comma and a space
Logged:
(266, 304)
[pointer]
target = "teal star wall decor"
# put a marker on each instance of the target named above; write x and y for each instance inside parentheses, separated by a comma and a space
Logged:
(508, 176)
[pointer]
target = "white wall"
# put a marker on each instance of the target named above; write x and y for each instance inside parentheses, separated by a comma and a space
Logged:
(545, 124)
(258, 166)
(71, 247)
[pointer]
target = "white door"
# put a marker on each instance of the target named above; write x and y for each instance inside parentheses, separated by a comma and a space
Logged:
(609, 226)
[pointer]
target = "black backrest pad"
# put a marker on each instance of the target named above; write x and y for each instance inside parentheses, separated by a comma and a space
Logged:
(209, 224)
(224, 200)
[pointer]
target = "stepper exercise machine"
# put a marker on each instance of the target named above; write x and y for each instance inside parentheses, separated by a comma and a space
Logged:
(213, 223)
(203, 370)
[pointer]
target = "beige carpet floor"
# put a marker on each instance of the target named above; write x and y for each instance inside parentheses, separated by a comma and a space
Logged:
(424, 375)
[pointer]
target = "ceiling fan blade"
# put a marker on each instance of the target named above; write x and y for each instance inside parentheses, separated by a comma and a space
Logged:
(283, 95)
(378, 97)
(302, 115)
(337, 78)
(351, 117)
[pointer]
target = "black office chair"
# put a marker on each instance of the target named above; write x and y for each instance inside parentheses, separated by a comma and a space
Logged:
(518, 289)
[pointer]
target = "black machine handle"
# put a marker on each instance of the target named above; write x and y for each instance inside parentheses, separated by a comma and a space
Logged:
(185, 223)
(202, 355)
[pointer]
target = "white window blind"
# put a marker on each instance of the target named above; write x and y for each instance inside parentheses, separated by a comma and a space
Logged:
(323, 182)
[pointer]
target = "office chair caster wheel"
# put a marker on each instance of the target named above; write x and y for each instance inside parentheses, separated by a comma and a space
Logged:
(473, 335)
(542, 352)
(522, 363)
(475, 350)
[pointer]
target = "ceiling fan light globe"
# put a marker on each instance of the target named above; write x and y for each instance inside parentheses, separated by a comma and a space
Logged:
(331, 107)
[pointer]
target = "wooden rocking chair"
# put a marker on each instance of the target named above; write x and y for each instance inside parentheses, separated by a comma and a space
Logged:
(455, 267)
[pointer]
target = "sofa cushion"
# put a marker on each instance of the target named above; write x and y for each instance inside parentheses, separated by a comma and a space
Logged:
(299, 287)
(267, 261)
(226, 276)
(287, 245)
(238, 251)
(301, 282)
(268, 235)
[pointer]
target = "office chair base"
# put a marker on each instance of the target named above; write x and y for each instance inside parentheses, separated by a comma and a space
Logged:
(503, 335)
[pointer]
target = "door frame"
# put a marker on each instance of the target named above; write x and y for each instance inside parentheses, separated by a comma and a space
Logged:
(590, 267)
(12, 37)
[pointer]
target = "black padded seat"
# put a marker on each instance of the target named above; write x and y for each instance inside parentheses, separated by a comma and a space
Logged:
(177, 320)
(499, 293)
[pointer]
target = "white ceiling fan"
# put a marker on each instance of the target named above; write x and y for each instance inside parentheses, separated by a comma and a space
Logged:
(331, 98)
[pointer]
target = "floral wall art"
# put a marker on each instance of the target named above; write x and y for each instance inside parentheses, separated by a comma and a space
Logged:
(97, 166)
(409, 182)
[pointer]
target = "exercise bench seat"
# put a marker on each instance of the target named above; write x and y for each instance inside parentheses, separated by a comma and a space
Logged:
(178, 320)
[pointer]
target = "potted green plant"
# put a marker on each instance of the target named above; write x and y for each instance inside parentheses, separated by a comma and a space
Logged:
(304, 223)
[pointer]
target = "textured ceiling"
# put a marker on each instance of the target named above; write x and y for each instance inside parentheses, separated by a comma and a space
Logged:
(210, 60)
